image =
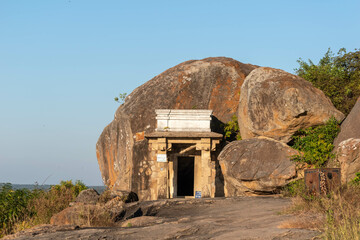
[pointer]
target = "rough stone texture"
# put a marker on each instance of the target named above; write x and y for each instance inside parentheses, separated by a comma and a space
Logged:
(256, 165)
(78, 214)
(275, 104)
(350, 128)
(348, 155)
(201, 219)
(211, 83)
(90, 196)
(142, 221)
(126, 196)
(42, 229)
(115, 208)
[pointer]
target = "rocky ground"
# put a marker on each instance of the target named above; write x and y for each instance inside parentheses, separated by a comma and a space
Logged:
(221, 218)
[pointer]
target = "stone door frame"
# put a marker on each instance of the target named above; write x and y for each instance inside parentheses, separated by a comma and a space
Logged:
(163, 182)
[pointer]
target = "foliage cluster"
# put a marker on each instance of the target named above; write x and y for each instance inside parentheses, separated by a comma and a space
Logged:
(121, 98)
(22, 208)
(294, 188)
(338, 76)
(13, 207)
(356, 180)
(231, 129)
(315, 143)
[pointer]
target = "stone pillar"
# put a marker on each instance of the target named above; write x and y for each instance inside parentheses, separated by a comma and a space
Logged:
(205, 173)
(162, 180)
(207, 189)
(159, 182)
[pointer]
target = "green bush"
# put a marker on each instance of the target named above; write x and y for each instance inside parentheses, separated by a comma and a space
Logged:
(231, 129)
(75, 189)
(356, 180)
(315, 143)
(23, 208)
(295, 188)
(13, 207)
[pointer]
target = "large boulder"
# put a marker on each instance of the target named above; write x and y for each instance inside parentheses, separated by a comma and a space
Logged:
(122, 151)
(81, 215)
(256, 165)
(348, 156)
(89, 196)
(350, 128)
(275, 104)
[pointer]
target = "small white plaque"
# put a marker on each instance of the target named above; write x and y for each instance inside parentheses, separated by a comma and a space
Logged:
(161, 157)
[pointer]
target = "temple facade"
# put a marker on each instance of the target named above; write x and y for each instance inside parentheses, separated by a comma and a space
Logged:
(183, 151)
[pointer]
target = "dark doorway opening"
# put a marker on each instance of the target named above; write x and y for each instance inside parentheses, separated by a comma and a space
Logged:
(185, 176)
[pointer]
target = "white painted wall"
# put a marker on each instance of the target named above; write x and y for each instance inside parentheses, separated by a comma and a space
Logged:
(191, 120)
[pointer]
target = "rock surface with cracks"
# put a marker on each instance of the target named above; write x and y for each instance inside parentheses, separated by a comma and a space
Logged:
(275, 104)
(350, 128)
(256, 165)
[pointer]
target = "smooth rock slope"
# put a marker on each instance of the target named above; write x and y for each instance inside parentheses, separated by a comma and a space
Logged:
(350, 128)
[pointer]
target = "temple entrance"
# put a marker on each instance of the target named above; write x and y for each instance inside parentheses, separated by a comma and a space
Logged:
(183, 155)
(185, 176)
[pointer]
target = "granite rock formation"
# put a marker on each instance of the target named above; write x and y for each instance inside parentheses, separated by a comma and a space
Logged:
(350, 128)
(122, 151)
(275, 104)
(348, 156)
(90, 196)
(256, 165)
(78, 214)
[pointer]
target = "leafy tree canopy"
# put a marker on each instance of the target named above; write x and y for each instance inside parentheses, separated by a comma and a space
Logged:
(338, 76)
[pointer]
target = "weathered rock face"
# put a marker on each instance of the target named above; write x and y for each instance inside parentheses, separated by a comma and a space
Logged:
(348, 155)
(122, 151)
(275, 104)
(350, 128)
(78, 214)
(256, 165)
(90, 196)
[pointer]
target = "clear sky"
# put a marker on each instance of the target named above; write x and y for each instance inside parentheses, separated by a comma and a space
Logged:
(63, 61)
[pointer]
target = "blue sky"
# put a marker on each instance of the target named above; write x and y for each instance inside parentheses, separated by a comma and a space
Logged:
(63, 61)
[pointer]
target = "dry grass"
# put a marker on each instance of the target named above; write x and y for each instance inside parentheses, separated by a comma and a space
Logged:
(95, 216)
(310, 221)
(49, 203)
(337, 215)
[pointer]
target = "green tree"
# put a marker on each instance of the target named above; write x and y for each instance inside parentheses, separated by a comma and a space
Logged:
(338, 76)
